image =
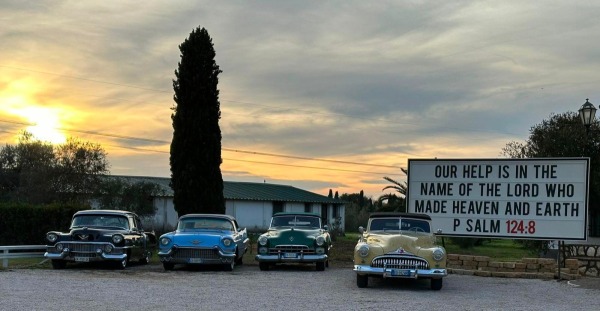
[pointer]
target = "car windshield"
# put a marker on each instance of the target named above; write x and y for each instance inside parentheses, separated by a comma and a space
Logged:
(103, 221)
(203, 223)
(296, 221)
(399, 224)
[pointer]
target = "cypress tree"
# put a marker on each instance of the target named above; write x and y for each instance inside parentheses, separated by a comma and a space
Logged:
(196, 146)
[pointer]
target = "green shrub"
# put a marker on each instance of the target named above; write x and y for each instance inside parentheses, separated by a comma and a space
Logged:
(26, 224)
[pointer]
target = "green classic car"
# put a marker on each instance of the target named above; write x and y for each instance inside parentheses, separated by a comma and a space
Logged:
(399, 245)
(294, 238)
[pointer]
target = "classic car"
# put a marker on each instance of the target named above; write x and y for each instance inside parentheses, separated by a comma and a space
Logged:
(294, 238)
(399, 245)
(101, 235)
(204, 239)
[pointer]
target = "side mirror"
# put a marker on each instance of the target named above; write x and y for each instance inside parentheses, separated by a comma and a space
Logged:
(361, 229)
(326, 228)
(134, 229)
(439, 231)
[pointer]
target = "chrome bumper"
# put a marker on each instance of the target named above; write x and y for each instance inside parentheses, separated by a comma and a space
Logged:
(401, 273)
(299, 258)
(100, 256)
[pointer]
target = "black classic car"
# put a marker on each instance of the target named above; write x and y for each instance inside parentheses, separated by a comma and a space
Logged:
(101, 235)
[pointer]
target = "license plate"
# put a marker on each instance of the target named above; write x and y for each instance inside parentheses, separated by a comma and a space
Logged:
(82, 259)
(195, 260)
(400, 272)
(290, 255)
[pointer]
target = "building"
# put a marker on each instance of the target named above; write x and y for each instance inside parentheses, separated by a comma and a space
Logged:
(252, 204)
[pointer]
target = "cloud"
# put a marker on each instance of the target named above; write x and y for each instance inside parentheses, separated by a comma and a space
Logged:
(373, 82)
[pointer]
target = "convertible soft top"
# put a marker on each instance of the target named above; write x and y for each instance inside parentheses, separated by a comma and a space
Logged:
(399, 215)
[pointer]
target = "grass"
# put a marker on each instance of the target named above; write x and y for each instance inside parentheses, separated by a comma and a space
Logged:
(342, 252)
(496, 249)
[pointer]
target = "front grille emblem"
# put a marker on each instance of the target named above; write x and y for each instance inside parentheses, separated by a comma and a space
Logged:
(291, 239)
(195, 242)
(84, 236)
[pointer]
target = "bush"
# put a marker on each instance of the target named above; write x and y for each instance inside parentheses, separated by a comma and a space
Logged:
(25, 224)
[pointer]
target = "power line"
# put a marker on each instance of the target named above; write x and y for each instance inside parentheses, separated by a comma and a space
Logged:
(225, 149)
(261, 162)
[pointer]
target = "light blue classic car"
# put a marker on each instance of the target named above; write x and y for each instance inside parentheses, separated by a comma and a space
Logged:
(204, 239)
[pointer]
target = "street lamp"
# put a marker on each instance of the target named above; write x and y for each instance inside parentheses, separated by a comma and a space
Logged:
(587, 113)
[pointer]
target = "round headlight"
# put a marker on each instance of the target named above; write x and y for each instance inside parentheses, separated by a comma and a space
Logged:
(108, 248)
(438, 254)
(227, 242)
(165, 241)
(320, 240)
(363, 251)
(59, 247)
(117, 238)
(52, 237)
(262, 240)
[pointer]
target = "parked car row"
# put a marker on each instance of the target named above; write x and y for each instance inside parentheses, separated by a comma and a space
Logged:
(394, 245)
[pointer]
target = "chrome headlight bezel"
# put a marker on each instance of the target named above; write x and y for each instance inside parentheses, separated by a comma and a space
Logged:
(320, 240)
(227, 242)
(438, 254)
(108, 248)
(363, 250)
(51, 237)
(262, 240)
(165, 241)
(117, 238)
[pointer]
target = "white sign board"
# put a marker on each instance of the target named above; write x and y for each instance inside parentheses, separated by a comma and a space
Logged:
(542, 199)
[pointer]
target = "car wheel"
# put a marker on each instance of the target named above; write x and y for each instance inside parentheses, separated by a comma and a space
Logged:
(168, 266)
(122, 264)
(58, 264)
(436, 284)
(263, 266)
(229, 266)
(321, 266)
(146, 259)
(362, 281)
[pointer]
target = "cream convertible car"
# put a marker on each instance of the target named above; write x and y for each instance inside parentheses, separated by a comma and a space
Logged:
(399, 245)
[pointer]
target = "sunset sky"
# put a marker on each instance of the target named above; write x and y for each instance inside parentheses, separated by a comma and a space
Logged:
(352, 82)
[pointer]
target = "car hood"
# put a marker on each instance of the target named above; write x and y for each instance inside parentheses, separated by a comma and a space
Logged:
(91, 234)
(198, 238)
(293, 236)
(399, 243)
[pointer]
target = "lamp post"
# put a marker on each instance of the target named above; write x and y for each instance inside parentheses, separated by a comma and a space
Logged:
(587, 113)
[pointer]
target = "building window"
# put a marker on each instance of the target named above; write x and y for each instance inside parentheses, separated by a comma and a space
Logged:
(335, 212)
(277, 207)
(324, 214)
(307, 208)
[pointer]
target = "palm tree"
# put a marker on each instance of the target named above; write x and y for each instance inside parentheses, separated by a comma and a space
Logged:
(400, 187)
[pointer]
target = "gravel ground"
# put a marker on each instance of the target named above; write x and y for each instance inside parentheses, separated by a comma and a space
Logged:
(287, 288)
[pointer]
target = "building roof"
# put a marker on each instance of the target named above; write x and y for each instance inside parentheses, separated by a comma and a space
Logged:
(242, 191)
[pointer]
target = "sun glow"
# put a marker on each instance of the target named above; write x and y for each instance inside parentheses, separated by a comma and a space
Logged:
(45, 123)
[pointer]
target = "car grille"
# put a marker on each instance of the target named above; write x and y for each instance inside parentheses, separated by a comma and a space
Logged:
(204, 253)
(85, 249)
(291, 249)
(400, 263)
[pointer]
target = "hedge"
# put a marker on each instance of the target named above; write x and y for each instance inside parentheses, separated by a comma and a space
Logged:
(23, 224)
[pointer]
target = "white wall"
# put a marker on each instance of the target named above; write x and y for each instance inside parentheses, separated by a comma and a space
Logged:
(294, 207)
(252, 215)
